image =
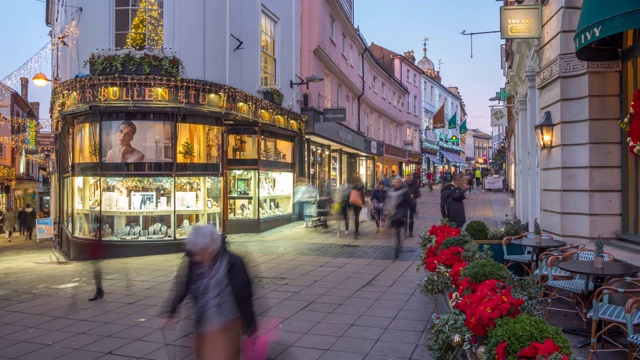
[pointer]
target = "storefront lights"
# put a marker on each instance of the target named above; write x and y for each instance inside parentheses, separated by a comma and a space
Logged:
(544, 131)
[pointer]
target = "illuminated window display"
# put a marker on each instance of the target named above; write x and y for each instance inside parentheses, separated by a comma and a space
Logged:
(276, 150)
(87, 145)
(242, 201)
(136, 141)
(276, 192)
(199, 143)
(242, 146)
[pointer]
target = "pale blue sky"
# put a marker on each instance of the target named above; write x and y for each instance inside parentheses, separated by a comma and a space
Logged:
(400, 25)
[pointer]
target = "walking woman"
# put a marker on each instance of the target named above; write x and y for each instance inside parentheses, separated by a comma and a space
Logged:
(221, 289)
(9, 220)
(356, 199)
(29, 221)
(377, 199)
(397, 203)
(451, 200)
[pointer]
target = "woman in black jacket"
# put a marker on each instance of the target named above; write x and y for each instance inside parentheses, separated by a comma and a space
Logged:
(451, 202)
(377, 199)
(397, 203)
(356, 200)
(221, 289)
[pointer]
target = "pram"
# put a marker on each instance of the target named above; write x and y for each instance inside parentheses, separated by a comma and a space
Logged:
(323, 208)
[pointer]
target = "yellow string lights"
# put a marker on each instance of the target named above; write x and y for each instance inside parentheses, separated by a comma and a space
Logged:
(146, 27)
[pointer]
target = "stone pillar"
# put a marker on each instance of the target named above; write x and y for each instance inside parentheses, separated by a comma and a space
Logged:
(533, 114)
(522, 159)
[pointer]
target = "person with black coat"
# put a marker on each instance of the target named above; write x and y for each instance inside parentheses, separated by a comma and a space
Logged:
(377, 199)
(451, 202)
(220, 286)
(21, 220)
(29, 221)
(413, 188)
(397, 204)
(356, 200)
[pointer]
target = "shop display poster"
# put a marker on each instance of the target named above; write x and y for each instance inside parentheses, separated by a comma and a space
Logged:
(44, 228)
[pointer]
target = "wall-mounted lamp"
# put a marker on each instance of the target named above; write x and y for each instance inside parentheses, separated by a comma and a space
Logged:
(40, 79)
(306, 81)
(544, 131)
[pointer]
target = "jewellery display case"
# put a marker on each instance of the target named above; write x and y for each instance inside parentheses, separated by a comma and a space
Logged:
(144, 208)
(242, 201)
(276, 192)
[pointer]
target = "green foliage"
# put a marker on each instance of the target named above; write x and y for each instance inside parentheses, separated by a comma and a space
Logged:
(445, 221)
(486, 269)
(278, 96)
(520, 331)
(536, 227)
(496, 234)
(512, 227)
(461, 241)
(599, 247)
(529, 289)
(437, 282)
(443, 330)
(472, 253)
(187, 151)
(477, 229)
(115, 61)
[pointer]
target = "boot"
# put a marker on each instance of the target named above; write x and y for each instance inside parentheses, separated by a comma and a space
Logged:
(99, 295)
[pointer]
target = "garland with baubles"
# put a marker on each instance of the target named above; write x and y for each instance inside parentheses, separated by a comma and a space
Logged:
(633, 127)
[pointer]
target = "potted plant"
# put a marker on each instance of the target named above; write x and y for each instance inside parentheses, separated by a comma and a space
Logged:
(134, 62)
(273, 94)
(512, 227)
(598, 255)
(477, 229)
(537, 231)
(449, 336)
(187, 150)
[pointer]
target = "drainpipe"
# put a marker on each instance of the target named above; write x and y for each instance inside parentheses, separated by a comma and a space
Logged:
(363, 78)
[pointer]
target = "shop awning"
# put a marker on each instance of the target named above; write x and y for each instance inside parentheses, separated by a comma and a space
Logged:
(598, 34)
(452, 157)
(434, 159)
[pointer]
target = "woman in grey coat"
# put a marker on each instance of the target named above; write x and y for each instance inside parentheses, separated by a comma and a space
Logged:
(9, 220)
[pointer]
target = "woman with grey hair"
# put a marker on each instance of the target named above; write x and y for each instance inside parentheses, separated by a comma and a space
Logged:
(221, 289)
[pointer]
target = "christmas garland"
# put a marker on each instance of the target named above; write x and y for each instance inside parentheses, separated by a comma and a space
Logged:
(633, 127)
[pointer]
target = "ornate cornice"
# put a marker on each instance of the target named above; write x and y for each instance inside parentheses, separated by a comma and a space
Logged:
(569, 65)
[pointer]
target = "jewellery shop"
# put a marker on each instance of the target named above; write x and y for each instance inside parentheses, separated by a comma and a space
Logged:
(335, 153)
(142, 159)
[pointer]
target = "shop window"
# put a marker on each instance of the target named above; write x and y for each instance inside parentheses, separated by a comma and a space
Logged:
(139, 24)
(67, 201)
(242, 190)
(276, 193)
(242, 146)
(136, 141)
(268, 53)
(86, 147)
(276, 150)
(86, 207)
(198, 143)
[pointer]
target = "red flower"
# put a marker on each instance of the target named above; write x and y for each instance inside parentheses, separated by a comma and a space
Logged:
(448, 257)
(545, 350)
(501, 351)
(443, 232)
(456, 272)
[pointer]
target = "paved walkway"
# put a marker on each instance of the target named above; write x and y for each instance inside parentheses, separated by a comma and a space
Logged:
(326, 297)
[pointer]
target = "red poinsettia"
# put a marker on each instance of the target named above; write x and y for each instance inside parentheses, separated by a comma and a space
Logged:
(443, 232)
(501, 351)
(448, 257)
(492, 300)
(456, 273)
(546, 349)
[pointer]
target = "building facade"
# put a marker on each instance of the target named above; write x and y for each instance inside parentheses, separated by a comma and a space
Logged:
(147, 152)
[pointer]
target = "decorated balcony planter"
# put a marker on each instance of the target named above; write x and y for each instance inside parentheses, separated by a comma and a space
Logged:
(159, 62)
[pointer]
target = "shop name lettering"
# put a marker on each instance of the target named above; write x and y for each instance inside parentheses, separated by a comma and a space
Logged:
(139, 93)
(586, 36)
(344, 136)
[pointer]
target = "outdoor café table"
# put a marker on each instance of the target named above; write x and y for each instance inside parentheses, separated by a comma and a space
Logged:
(609, 268)
(538, 248)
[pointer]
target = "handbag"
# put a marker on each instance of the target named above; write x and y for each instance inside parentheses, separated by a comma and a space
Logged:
(336, 208)
(355, 198)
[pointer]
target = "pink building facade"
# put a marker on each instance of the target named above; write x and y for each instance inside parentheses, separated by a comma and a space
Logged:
(372, 141)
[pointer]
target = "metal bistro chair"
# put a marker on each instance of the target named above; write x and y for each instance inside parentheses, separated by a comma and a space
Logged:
(631, 311)
(575, 289)
(610, 315)
(543, 259)
(523, 259)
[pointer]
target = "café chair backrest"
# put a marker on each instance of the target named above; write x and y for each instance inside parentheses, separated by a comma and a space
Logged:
(589, 255)
(531, 235)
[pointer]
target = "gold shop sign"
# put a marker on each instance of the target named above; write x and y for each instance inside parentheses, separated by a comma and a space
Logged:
(521, 22)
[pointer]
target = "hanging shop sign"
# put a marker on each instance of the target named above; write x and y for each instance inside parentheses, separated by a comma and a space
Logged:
(498, 116)
(334, 115)
(31, 135)
(373, 147)
(45, 140)
(521, 22)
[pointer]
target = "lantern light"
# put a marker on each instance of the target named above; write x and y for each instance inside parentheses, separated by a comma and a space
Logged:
(40, 79)
(544, 131)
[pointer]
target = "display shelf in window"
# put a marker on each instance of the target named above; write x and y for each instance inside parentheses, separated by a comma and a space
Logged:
(242, 190)
(242, 146)
(276, 150)
(276, 193)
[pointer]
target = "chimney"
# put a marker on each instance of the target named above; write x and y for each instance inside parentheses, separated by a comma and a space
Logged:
(24, 88)
(409, 55)
(35, 106)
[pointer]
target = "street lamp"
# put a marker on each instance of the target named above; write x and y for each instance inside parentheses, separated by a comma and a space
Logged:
(544, 131)
(40, 79)
(306, 81)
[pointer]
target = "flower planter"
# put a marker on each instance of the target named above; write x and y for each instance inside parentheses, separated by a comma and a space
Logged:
(268, 95)
(139, 70)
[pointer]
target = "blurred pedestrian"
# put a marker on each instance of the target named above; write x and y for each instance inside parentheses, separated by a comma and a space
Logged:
(96, 253)
(377, 199)
(220, 287)
(397, 206)
(413, 188)
(9, 222)
(29, 221)
(430, 180)
(356, 200)
(478, 176)
(451, 201)
(21, 220)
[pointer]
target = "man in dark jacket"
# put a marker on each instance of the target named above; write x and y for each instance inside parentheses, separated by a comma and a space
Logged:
(377, 199)
(21, 220)
(398, 200)
(413, 188)
(29, 221)
(451, 202)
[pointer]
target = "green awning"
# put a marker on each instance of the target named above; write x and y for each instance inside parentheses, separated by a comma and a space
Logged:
(598, 34)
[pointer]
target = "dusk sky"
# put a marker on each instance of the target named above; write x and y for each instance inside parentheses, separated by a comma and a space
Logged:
(398, 25)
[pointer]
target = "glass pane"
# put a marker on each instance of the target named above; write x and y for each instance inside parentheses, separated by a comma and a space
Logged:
(191, 143)
(120, 40)
(243, 147)
(122, 3)
(214, 144)
(191, 196)
(86, 146)
(242, 200)
(122, 20)
(214, 202)
(276, 192)
(122, 142)
(87, 207)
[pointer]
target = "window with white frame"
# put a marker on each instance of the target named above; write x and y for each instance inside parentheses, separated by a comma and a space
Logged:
(267, 50)
(408, 74)
(344, 44)
(433, 94)
(339, 95)
(415, 104)
(384, 93)
(3, 150)
(332, 23)
(415, 79)
(408, 133)
(374, 86)
(139, 24)
(395, 99)
(408, 102)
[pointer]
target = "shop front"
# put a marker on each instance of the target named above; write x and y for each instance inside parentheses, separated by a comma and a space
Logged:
(339, 150)
(413, 165)
(393, 161)
(450, 160)
(143, 159)
(376, 149)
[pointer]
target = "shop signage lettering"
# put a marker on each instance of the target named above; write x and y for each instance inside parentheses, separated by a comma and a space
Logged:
(588, 35)
(182, 95)
(31, 135)
(334, 115)
(45, 140)
(344, 136)
(521, 22)
(136, 213)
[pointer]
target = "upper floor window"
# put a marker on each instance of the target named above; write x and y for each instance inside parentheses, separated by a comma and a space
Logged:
(374, 80)
(408, 75)
(332, 23)
(415, 104)
(395, 99)
(408, 133)
(415, 79)
(268, 51)
(433, 94)
(384, 95)
(139, 24)
(3, 150)
(344, 44)
(339, 96)
(409, 102)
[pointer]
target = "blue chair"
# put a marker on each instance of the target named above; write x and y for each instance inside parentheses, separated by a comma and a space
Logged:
(543, 259)
(523, 259)
(633, 338)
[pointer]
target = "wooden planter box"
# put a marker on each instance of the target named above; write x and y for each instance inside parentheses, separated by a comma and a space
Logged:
(268, 95)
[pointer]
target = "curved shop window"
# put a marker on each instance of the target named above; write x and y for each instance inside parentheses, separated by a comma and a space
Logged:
(276, 193)
(136, 141)
(141, 208)
(242, 146)
(86, 147)
(276, 150)
(199, 143)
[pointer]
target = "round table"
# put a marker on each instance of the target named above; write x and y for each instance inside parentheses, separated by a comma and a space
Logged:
(538, 247)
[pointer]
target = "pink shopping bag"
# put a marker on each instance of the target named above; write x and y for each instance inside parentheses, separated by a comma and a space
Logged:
(255, 348)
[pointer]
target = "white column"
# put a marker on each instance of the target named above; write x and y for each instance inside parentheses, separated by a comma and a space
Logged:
(522, 160)
(533, 114)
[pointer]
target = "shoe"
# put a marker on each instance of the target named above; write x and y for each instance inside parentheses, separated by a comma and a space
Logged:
(9, 240)
(346, 232)
(410, 234)
(99, 295)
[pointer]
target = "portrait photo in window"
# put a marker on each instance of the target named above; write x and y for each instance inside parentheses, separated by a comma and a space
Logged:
(124, 141)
